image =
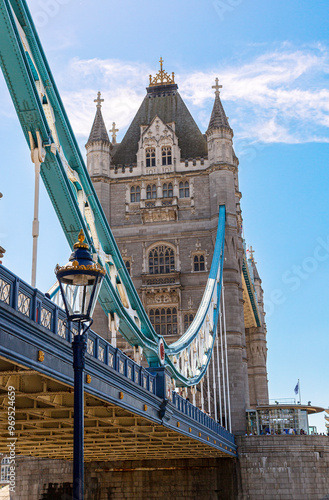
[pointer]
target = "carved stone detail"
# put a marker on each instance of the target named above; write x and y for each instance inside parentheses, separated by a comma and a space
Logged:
(165, 214)
(158, 299)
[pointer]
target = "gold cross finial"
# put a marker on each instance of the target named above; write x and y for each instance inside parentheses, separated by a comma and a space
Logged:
(161, 61)
(99, 100)
(114, 133)
(251, 253)
(217, 87)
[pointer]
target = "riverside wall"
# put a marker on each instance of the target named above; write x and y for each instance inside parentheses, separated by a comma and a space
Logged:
(268, 468)
(284, 467)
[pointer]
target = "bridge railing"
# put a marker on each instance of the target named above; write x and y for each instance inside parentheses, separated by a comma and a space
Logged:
(195, 413)
(38, 308)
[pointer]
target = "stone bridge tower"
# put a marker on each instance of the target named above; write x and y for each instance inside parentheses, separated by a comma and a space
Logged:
(161, 188)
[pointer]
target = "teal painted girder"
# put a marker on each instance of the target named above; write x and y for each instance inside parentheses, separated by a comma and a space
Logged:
(20, 76)
(20, 81)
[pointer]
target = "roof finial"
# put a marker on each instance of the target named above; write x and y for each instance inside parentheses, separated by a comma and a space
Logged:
(162, 77)
(114, 133)
(99, 100)
(217, 87)
(251, 253)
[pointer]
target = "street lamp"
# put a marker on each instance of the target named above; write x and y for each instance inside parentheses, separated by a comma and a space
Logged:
(79, 282)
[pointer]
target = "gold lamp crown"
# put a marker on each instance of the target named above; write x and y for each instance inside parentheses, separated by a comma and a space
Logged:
(80, 243)
(162, 77)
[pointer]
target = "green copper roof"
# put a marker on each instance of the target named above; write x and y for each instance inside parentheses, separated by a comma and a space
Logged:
(166, 103)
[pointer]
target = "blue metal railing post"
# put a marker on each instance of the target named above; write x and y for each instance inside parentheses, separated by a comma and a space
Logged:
(79, 345)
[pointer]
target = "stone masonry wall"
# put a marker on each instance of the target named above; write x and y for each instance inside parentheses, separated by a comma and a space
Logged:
(189, 479)
(284, 467)
(269, 468)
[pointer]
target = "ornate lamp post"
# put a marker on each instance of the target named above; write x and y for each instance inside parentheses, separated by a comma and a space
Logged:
(79, 282)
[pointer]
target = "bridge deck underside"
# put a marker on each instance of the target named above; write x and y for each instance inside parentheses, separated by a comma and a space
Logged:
(44, 424)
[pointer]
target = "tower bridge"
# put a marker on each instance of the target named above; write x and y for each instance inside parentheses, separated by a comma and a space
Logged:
(161, 212)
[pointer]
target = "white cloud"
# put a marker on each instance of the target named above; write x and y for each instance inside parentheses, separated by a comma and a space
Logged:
(274, 98)
(278, 96)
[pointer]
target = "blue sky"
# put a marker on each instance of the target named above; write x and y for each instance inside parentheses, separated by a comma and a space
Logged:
(272, 60)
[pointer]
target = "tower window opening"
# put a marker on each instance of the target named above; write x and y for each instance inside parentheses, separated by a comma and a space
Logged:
(188, 318)
(164, 320)
(5, 470)
(198, 263)
(167, 190)
(151, 191)
(150, 157)
(135, 194)
(184, 189)
(161, 260)
(166, 155)
(128, 266)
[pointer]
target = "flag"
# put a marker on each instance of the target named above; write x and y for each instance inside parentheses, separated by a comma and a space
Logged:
(297, 388)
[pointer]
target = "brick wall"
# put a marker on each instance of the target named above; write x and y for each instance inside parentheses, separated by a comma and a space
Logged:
(284, 467)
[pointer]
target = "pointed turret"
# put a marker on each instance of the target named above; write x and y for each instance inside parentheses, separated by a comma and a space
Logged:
(219, 133)
(98, 146)
(256, 343)
(98, 130)
(218, 117)
(256, 279)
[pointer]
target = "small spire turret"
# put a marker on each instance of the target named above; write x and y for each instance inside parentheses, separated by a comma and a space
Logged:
(98, 130)
(218, 117)
(219, 133)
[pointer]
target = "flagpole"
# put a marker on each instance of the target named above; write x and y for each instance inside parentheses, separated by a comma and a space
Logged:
(300, 398)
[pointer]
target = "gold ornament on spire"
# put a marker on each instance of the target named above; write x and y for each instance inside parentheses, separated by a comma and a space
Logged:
(162, 77)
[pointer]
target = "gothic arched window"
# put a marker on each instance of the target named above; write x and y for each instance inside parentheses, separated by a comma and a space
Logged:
(164, 320)
(167, 190)
(198, 262)
(161, 260)
(135, 194)
(151, 191)
(166, 155)
(150, 157)
(188, 318)
(184, 189)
